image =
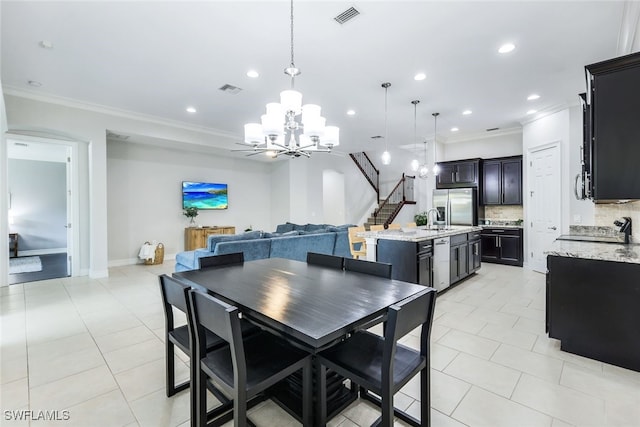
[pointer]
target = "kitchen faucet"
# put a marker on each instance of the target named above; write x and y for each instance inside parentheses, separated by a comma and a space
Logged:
(428, 212)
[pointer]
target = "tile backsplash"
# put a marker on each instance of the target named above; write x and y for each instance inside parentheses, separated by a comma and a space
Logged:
(503, 213)
(605, 214)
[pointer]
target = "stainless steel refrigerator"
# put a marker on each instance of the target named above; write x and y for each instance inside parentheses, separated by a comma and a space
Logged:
(457, 206)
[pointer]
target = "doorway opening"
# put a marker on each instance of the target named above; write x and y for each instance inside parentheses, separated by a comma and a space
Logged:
(42, 209)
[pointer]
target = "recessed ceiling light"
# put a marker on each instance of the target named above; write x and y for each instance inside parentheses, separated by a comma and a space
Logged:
(420, 76)
(532, 111)
(506, 48)
(466, 112)
(34, 83)
(351, 112)
(46, 44)
(253, 74)
(454, 129)
(533, 97)
(191, 110)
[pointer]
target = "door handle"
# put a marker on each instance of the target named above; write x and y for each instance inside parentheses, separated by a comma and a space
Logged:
(575, 187)
(552, 228)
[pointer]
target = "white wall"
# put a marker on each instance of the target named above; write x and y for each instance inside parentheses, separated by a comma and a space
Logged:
(145, 198)
(333, 199)
(484, 148)
(4, 178)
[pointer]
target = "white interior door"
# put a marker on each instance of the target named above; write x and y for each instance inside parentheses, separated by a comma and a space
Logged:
(544, 203)
(70, 218)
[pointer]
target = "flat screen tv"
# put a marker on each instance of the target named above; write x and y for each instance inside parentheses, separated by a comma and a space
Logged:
(204, 195)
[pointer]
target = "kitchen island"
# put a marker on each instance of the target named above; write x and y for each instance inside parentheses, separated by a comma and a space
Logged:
(430, 257)
(593, 296)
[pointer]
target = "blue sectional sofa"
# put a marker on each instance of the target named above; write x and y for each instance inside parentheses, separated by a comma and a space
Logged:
(291, 241)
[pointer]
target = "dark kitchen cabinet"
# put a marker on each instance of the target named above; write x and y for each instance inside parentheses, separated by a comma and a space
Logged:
(502, 246)
(610, 169)
(592, 308)
(502, 181)
(459, 255)
(474, 252)
(458, 174)
(410, 261)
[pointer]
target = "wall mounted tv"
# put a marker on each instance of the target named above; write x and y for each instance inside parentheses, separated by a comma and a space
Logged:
(204, 195)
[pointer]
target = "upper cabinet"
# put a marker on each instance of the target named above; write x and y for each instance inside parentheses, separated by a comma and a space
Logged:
(458, 174)
(612, 132)
(502, 181)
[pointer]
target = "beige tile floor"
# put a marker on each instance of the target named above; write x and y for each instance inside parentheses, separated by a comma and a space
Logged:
(94, 348)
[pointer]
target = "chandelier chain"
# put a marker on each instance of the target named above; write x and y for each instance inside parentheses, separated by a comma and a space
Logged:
(292, 62)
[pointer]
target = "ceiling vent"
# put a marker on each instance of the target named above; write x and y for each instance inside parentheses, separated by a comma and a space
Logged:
(20, 144)
(112, 135)
(347, 15)
(492, 129)
(230, 89)
(377, 137)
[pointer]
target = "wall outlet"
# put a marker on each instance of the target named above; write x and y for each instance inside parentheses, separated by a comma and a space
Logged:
(577, 219)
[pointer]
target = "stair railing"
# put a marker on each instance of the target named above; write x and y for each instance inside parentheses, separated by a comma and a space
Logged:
(401, 195)
(369, 171)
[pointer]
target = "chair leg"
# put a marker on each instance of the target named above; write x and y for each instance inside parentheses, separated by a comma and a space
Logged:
(170, 367)
(387, 407)
(240, 408)
(425, 397)
(200, 397)
(307, 394)
(321, 399)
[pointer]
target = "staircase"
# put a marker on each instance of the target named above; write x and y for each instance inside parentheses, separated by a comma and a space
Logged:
(388, 209)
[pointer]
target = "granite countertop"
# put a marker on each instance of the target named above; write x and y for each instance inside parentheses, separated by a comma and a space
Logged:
(501, 226)
(595, 250)
(418, 234)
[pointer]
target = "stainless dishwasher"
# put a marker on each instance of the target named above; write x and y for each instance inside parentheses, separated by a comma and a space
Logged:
(441, 263)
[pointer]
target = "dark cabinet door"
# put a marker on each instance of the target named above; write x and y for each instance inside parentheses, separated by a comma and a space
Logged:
(459, 264)
(512, 182)
(463, 263)
(510, 248)
(446, 174)
(466, 173)
(474, 256)
(425, 269)
(491, 180)
(490, 249)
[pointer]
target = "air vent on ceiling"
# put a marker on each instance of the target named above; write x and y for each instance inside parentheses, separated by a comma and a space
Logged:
(347, 15)
(377, 137)
(492, 129)
(113, 135)
(230, 89)
(20, 144)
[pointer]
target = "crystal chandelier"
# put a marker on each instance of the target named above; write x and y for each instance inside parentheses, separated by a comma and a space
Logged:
(279, 133)
(415, 163)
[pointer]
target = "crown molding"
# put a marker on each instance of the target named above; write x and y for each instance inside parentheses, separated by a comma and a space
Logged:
(103, 109)
(549, 111)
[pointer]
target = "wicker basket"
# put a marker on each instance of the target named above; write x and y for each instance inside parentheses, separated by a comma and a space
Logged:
(159, 257)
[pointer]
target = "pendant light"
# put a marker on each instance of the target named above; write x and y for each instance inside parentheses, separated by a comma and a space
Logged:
(436, 168)
(415, 164)
(386, 156)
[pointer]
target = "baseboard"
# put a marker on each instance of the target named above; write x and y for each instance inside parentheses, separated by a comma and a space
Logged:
(33, 252)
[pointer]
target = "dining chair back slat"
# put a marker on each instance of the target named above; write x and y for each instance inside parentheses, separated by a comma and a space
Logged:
(325, 260)
(220, 260)
(380, 269)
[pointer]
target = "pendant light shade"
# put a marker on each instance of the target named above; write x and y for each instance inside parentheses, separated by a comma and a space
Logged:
(386, 156)
(436, 168)
(415, 163)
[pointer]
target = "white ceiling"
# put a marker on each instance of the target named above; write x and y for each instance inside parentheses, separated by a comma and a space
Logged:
(156, 58)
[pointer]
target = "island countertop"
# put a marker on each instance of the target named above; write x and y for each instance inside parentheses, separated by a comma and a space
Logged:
(617, 252)
(418, 234)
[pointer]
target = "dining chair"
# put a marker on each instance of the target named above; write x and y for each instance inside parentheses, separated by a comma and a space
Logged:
(248, 366)
(382, 365)
(376, 227)
(411, 225)
(325, 260)
(357, 245)
(220, 260)
(381, 269)
(394, 226)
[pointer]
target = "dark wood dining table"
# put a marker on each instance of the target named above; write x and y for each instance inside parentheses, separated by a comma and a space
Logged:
(312, 306)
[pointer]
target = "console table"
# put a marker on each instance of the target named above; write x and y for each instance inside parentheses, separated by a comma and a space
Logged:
(196, 237)
(13, 244)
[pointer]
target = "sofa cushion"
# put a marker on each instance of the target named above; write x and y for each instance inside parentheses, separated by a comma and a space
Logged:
(341, 247)
(288, 233)
(189, 259)
(316, 231)
(343, 227)
(252, 249)
(296, 247)
(314, 227)
(214, 239)
(284, 228)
